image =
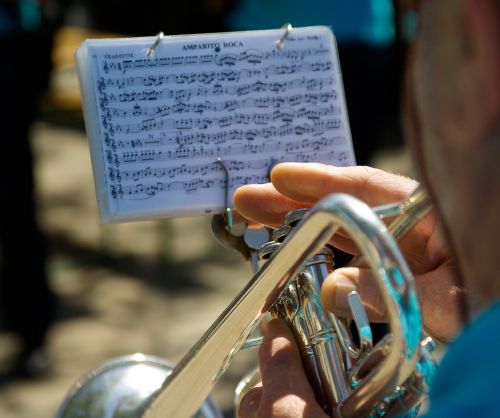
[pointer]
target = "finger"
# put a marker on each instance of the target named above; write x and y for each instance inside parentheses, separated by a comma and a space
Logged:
(250, 403)
(297, 185)
(341, 241)
(439, 297)
(440, 301)
(239, 218)
(308, 182)
(261, 203)
(286, 390)
(339, 284)
(279, 357)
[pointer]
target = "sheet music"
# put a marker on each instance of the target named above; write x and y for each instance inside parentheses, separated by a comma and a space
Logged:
(160, 123)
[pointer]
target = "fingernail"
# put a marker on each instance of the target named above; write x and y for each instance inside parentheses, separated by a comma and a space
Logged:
(343, 287)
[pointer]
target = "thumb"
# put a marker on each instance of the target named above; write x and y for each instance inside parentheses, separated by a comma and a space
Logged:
(250, 402)
(286, 390)
(341, 282)
(438, 294)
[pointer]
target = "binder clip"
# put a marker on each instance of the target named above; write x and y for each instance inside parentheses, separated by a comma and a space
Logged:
(281, 43)
(159, 37)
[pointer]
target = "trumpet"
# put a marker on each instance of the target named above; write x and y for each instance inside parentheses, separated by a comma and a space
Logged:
(385, 378)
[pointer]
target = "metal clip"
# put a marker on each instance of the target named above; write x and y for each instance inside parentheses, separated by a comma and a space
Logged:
(228, 212)
(159, 37)
(271, 166)
(281, 43)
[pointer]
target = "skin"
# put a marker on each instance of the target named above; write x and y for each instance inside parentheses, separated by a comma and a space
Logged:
(452, 120)
(298, 185)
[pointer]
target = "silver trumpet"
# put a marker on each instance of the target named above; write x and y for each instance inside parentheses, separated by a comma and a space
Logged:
(386, 378)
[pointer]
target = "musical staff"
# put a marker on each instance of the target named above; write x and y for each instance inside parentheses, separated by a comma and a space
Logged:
(254, 57)
(238, 149)
(210, 168)
(286, 116)
(190, 186)
(219, 106)
(208, 77)
(316, 128)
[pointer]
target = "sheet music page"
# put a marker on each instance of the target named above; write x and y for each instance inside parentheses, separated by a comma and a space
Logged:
(163, 121)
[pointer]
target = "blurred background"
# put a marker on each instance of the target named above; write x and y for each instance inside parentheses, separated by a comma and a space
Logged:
(73, 292)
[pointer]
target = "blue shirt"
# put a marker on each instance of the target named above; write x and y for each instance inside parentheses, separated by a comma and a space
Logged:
(467, 383)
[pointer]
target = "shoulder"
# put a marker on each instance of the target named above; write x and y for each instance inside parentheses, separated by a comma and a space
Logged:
(467, 380)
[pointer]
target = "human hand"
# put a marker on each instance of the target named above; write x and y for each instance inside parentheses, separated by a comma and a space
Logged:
(295, 185)
(285, 391)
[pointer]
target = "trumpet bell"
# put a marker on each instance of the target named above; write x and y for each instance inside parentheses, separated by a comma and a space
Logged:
(122, 388)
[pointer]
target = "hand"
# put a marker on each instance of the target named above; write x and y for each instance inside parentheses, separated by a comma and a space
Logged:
(296, 185)
(285, 391)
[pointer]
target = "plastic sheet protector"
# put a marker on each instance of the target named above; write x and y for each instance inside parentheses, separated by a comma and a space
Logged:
(173, 122)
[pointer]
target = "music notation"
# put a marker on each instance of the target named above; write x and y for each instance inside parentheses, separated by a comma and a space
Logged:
(254, 57)
(207, 169)
(163, 121)
(209, 77)
(314, 128)
(238, 149)
(215, 106)
(261, 118)
(190, 186)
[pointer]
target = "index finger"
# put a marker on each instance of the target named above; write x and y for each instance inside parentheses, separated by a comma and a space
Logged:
(263, 204)
(309, 182)
(296, 185)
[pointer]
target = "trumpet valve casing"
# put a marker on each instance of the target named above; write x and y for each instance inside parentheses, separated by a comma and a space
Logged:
(300, 306)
